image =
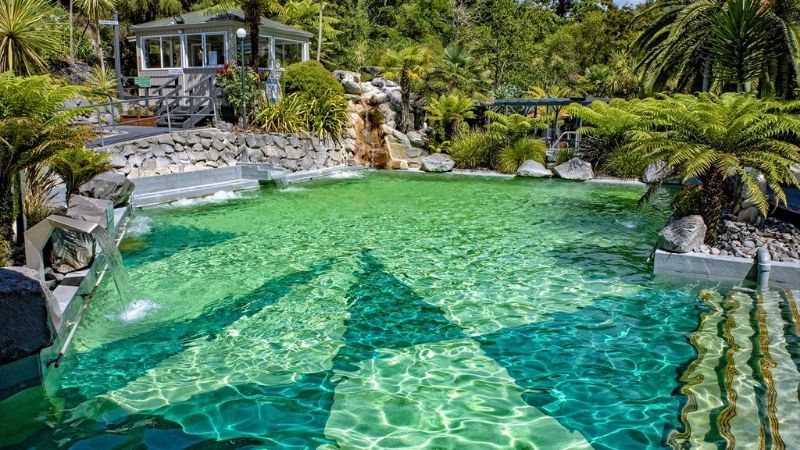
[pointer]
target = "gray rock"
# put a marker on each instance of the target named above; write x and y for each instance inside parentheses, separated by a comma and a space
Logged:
(655, 171)
(109, 186)
(574, 169)
(212, 155)
(682, 235)
(218, 145)
(165, 139)
(71, 250)
(417, 139)
(92, 210)
(294, 153)
(118, 161)
(531, 168)
(437, 162)
(29, 317)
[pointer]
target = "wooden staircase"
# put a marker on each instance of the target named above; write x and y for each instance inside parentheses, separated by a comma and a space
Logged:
(190, 110)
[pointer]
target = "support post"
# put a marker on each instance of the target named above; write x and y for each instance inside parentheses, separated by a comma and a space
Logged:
(117, 57)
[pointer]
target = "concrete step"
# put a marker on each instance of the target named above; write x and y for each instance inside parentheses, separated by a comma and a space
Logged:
(200, 190)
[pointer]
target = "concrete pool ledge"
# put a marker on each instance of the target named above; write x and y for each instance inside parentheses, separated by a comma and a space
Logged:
(784, 275)
(159, 189)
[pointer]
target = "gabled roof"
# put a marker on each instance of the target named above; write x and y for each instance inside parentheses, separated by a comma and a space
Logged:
(203, 17)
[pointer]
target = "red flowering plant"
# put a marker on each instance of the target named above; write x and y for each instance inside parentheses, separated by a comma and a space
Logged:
(229, 80)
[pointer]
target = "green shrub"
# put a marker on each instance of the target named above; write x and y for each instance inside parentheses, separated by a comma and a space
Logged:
(5, 253)
(472, 150)
(623, 163)
(229, 80)
(310, 78)
(325, 116)
(285, 116)
(512, 156)
(565, 154)
(78, 165)
(40, 193)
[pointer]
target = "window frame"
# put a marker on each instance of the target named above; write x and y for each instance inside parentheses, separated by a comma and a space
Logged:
(160, 38)
(289, 41)
(203, 35)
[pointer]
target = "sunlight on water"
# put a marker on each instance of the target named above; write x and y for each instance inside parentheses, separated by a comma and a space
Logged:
(137, 310)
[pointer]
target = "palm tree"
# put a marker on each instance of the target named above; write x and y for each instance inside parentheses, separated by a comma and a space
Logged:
(457, 70)
(692, 43)
(740, 44)
(253, 11)
(406, 65)
(450, 110)
(24, 36)
(714, 138)
(96, 10)
(305, 14)
(33, 127)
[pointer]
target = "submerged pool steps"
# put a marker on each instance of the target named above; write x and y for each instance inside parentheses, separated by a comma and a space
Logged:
(743, 386)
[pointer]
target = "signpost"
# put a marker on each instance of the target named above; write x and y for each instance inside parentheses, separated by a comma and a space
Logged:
(117, 61)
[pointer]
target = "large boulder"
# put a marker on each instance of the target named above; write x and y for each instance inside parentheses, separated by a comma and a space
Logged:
(531, 168)
(29, 316)
(70, 250)
(350, 81)
(437, 162)
(93, 210)
(682, 235)
(574, 169)
(654, 172)
(401, 150)
(109, 186)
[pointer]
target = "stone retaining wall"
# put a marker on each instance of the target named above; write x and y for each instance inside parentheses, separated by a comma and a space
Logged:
(191, 150)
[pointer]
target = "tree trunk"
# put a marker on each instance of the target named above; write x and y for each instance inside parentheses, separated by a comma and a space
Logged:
(405, 94)
(252, 18)
(713, 198)
(71, 32)
(100, 49)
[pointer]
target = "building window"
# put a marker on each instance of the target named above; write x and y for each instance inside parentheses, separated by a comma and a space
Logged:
(287, 52)
(205, 50)
(162, 52)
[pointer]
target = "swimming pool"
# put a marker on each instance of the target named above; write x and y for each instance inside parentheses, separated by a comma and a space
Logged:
(388, 311)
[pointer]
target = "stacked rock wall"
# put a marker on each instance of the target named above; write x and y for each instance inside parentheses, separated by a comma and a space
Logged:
(191, 150)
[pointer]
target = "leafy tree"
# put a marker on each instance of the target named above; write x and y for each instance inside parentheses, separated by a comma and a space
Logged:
(451, 111)
(253, 10)
(605, 127)
(509, 128)
(24, 36)
(304, 14)
(33, 127)
(406, 65)
(714, 138)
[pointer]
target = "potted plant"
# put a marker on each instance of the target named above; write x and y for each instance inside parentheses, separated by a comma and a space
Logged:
(141, 116)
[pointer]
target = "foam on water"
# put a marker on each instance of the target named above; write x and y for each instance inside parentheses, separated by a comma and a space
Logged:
(291, 189)
(627, 223)
(217, 197)
(136, 310)
(346, 175)
(139, 225)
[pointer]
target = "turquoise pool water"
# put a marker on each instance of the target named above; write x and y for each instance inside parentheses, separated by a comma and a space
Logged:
(382, 311)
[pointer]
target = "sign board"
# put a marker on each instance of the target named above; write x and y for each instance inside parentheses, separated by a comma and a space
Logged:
(108, 22)
(174, 72)
(143, 82)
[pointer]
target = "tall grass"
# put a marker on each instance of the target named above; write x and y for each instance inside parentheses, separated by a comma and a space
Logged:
(472, 150)
(512, 156)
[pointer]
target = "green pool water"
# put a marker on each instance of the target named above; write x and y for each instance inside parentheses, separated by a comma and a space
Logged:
(382, 311)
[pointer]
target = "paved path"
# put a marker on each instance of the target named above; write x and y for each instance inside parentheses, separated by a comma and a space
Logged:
(127, 133)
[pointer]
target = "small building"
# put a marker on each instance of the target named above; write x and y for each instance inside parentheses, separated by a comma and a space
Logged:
(196, 44)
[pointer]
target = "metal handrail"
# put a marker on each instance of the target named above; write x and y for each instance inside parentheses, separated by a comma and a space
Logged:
(164, 99)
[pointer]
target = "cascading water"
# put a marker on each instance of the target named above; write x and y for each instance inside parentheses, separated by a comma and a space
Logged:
(116, 267)
(280, 180)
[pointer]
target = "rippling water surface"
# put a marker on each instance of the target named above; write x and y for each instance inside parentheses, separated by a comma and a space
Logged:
(385, 311)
